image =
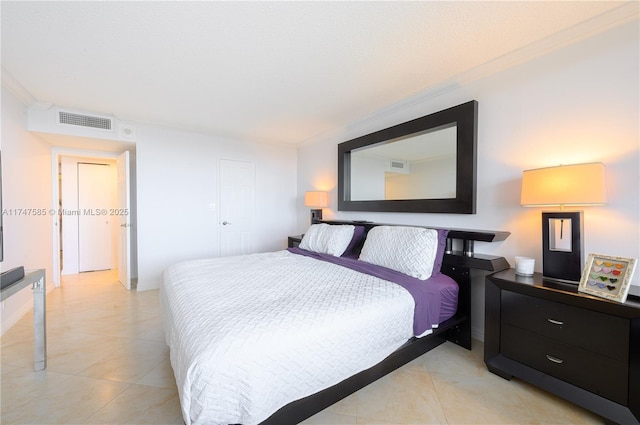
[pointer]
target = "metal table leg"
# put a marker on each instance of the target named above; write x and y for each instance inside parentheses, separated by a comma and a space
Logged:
(39, 324)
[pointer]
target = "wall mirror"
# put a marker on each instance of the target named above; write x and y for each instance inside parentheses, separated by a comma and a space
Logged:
(424, 165)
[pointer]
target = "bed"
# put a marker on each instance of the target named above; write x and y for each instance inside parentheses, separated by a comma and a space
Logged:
(275, 337)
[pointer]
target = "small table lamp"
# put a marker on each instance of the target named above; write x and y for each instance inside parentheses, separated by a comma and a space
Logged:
(317, 200)
(565, 185)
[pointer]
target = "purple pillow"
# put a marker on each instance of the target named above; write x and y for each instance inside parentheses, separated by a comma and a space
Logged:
(442, 245)
(354, 247)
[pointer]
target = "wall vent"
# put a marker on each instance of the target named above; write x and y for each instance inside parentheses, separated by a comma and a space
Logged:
(48, 118)
(84, 120)
(398, 166)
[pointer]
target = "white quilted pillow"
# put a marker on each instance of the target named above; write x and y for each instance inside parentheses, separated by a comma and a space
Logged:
(409, 250)
(327, 239)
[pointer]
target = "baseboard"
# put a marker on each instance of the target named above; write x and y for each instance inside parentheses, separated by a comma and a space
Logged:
(477, 334)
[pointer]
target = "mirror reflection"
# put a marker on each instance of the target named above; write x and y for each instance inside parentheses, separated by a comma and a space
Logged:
(425, 165)
(417, 166)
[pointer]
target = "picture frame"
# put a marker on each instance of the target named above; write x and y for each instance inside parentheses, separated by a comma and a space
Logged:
(607, 276)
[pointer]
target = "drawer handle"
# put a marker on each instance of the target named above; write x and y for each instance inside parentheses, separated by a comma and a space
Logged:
(555, 322)
(554, 359)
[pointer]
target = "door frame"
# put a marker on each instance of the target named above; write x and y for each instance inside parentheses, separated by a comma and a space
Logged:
(56, 153)
(123, 201)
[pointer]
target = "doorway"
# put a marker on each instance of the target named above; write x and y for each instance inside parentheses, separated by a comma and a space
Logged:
(92, 213)
(87, 193)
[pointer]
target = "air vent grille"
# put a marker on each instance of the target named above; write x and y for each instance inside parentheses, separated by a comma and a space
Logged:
(397, 166)
(84, 120)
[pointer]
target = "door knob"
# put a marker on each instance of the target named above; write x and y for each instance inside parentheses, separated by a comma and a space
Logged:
(224, 223)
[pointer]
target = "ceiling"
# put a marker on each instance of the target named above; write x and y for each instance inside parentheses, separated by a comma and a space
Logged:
(273, 72)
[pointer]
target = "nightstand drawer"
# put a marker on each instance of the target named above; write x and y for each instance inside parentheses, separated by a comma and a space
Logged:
(601, 333)
(593, 372)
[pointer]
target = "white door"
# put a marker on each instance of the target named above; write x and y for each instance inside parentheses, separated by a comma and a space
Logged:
(94, 229)
(237, 207)
(123, 215)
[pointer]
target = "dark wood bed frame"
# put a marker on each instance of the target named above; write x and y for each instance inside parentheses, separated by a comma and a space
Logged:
(457, 264)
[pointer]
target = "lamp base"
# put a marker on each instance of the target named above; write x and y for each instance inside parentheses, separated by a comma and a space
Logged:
(316, 216)
(562, 246)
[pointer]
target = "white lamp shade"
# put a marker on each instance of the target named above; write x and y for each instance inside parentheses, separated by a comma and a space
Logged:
(565, 185)
(316, 199)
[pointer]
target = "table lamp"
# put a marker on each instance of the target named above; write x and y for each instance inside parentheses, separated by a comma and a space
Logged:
(317, 200)
(563, 186)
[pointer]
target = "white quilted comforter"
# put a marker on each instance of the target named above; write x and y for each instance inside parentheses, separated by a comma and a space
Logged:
(253, 333)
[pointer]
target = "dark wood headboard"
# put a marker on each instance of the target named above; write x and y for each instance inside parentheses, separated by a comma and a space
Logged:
(461, 258)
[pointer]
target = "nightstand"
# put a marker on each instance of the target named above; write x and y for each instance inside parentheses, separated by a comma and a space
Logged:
(581, 348)
(294, 241)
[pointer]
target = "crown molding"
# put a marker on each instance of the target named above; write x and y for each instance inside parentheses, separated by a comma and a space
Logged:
(627, 12)
(571, 35)
(17, 89)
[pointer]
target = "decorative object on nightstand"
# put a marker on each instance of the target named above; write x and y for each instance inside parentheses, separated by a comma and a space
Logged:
(578, 347)
(317, 200)
(564, 185)
(607, 277)
(525, 266)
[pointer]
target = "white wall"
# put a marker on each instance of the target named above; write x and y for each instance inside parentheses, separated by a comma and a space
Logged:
(576, 104)
(177, 183)
(26, 183)
(176, 174)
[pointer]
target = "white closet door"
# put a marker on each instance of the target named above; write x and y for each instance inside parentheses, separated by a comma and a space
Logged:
(237, 207)
(94, 229)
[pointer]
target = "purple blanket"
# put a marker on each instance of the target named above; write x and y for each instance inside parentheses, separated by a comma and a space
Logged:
(435, 299)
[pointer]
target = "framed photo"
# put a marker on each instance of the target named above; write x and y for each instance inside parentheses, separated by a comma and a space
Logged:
(607, 277)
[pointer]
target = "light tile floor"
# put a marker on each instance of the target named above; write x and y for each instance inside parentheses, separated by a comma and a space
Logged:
(108, 364)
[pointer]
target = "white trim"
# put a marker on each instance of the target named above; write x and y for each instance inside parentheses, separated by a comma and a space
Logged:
(477, 334)
(589, 28)
(16, 89)
(56, 152)
(55, 201)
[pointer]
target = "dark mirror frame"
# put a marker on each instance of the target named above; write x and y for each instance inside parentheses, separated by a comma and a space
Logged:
(466, 118)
